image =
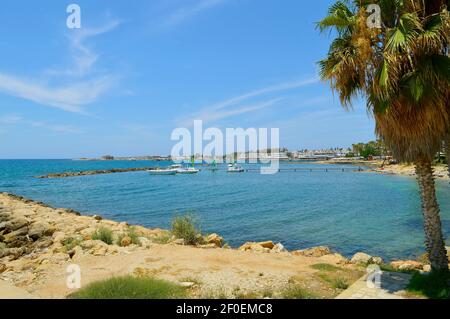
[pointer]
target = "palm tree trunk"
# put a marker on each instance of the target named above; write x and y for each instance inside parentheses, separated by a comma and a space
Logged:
(431, 214)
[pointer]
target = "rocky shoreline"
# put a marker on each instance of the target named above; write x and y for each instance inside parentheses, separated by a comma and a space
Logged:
(37, 241)
(95, 172)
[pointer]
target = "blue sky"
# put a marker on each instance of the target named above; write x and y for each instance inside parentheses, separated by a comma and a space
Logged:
(138, 69)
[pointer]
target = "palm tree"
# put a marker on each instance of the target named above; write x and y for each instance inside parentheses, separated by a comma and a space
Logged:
(402, 70)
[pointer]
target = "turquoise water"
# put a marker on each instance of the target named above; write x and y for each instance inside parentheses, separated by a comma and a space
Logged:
(349, 212)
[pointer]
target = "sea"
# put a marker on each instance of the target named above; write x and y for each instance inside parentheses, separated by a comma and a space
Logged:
(347, 211)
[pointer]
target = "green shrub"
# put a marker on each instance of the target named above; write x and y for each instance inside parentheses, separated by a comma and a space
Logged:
(325, 267)
(434, 285)
(71, 243)
(131, 232)
(162, 238)
(104, 234)
(297, 292)
(185, 227)
(339, 283)
(129, 287)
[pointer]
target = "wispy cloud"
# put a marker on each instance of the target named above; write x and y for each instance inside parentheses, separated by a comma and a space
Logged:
(84, 57)
(69, 98)
(19, 120)
(221, 109)
(184, 13)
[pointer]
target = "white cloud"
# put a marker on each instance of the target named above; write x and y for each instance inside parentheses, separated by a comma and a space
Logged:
(187, 12)
(73, 96)
(69, 98)
(84, 58)
(216, 111)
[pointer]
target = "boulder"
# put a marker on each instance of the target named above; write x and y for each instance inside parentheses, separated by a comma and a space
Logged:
(361, 259)
(12, 236)
(126, 241)
(278, 248)
(215, 239)
(426, 268)
(407, 265)
(179, 241)
(40, 229)
(313, 252)
(14, 224)
(265, 246)
(77, 253)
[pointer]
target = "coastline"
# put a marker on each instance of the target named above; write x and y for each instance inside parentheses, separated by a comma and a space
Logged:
(440, 171)
(36, 253)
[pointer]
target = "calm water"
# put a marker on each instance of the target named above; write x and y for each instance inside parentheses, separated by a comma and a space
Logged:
(349, 212)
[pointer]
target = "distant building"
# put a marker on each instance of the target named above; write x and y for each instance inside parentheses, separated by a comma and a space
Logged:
(107, 158)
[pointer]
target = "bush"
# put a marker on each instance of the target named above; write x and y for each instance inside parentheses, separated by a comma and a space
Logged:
(129, 287)
(297, 292)
(104, 234)
(434, 285)
(71, 243)
(130, 233)
(185, 227)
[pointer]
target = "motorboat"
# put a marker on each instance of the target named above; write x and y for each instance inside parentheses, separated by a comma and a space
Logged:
(234, 168)
(163, 171)
(187, 170)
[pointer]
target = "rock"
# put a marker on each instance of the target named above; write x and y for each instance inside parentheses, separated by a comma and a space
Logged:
(145, 242)
(126, 241)
(76, 253)
(313, 252)
(38, 230)
(267, 244)
(58, 237)
(112, 249)
(11, 237)
(278, 248)
(215, 239)
(264, 246)
(179, 241)
(406, 265)
(426, 268)
(377, 260)
(44, 242)
(97, 217)
(2, 268)
(361, 259)
(13, 224)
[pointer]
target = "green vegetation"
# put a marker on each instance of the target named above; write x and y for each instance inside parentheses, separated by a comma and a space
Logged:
(71, 243)
(325, 267)
(162, 238)
(130, 288)
(186, 227)
(297, 292)
(366, 150)
(104, 234)
(434, 285)
(387, 267)
(131, 232)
